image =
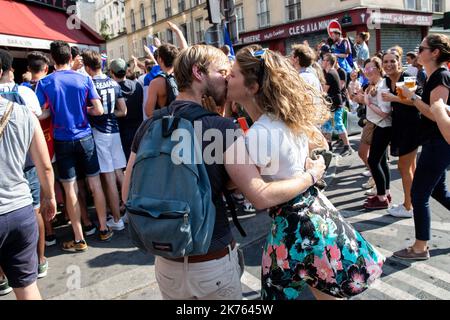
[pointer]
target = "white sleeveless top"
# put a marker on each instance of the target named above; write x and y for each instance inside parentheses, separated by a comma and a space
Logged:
(273, 147)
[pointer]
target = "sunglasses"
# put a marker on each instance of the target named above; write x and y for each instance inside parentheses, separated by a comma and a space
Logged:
(422, 48)
(260, 55)
(369, 69)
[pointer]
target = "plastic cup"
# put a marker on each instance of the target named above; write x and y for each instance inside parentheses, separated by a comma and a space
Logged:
(399, 90)
(410, 82)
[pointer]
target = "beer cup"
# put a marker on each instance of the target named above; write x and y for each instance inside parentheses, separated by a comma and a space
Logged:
(399, 90)
(410, 82)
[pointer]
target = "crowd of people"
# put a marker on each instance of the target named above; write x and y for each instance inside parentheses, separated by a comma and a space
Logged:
(94, 127)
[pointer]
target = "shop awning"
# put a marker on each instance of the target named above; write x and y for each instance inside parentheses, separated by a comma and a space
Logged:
(33, 26)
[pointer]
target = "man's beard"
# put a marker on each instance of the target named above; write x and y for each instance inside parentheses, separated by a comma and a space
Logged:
(217, 94)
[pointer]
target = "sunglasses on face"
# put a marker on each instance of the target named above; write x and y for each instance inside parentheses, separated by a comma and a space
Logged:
(369, 69)
(422, 48)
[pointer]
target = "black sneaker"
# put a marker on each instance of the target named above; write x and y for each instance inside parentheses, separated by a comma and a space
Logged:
(89, 230)
(346, 151)
(50, 240)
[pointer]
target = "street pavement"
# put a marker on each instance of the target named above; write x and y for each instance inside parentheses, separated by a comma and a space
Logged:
(118, 270)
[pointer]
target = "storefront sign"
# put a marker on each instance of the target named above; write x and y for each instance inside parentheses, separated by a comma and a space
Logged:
(62, 4)
(33, 43)
(357, 17)
(404, 19)
(24, 42)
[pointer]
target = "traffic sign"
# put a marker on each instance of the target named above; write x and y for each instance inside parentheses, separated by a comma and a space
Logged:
(334, 26)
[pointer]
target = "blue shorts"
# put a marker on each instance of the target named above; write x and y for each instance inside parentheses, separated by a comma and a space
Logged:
(35, 187)
(18, 246)
(71, 155)
(337, 123)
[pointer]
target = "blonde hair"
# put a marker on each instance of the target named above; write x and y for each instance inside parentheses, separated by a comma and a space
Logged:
(283, 93)
(200, 55)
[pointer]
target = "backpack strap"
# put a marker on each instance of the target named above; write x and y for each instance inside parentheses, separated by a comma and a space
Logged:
(195, 113)
(6, 116)
(232, 207)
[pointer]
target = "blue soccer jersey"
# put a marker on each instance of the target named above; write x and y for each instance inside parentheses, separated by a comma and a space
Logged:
(109, 91)
(67, 94)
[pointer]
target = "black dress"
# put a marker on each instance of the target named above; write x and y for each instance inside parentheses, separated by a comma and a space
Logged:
(405, 124)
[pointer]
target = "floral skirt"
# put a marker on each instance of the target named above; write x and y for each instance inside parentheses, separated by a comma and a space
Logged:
(310, 243)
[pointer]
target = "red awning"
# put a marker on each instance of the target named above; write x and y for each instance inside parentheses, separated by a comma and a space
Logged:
(40, 22)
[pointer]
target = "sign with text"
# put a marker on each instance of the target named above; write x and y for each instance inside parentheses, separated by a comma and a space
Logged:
(61, 4)
(357, 17)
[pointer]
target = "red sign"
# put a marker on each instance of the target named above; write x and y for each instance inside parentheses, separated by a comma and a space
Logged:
(61, 4)
(358, 17)
(334, 26)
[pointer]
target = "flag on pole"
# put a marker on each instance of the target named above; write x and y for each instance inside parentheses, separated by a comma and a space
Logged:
(104, 59)
(227, 41)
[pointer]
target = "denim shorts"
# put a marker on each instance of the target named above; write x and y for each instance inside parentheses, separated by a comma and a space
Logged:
(35, 187)
(71, 155)
(18, 246)
(337, 122)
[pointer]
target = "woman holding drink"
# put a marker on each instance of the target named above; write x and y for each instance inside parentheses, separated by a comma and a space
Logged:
(430, 177)
(405, 129)
(379, 118)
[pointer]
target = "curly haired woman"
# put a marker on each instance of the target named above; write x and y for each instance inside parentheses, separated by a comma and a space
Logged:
(309, 243)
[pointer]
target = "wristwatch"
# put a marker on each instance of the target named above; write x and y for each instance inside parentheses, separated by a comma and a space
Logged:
(414, 97)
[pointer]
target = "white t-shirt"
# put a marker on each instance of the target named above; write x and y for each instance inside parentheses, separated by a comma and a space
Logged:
(26, 94)
(312, 80)
(273, 147)
(382, 105)
(412, 71)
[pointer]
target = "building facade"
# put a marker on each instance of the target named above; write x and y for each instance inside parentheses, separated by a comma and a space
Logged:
(390, 22)
(148, 18)
(110, 17)
(278, 24)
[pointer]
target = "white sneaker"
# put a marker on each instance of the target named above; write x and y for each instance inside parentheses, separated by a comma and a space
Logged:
(248, 207)
(367, 173)
(369, 184)
(394, 208)
(371, 192)
(401, 212)
(125, 218)
(117, 226)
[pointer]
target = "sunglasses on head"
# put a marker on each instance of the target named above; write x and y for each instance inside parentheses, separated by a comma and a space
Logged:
(260, 55)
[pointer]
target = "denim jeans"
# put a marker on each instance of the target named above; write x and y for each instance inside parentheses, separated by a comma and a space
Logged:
(429, 181)
(73, 155)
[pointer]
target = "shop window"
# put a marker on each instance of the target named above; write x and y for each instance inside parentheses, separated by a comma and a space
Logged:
(263, 14)
(169, 36)
(142, 14)
(168, 4)
(181, 5)
(240, 18)
(418, 5)
(154, 17)
(438, 6)
(133, 22)
(199, 34)
(184, 30)
(293, 10)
